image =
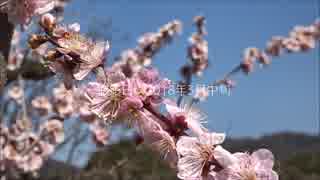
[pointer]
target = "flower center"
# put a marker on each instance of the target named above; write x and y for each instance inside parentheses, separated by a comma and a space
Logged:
(248, 174)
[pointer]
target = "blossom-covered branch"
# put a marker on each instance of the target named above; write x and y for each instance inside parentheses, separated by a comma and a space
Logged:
(133, 92)
(300, 39)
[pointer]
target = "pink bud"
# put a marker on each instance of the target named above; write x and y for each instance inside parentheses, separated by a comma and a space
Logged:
(247, 66)
(48, 21)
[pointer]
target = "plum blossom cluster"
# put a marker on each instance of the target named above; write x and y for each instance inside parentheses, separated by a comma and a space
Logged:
(199, 58)
(25, 150)
(178, 133)
(64, 103)
(73, 55)
(300, 39)
(198, 49)
(131, 91)
(132, 61)
(130, 94)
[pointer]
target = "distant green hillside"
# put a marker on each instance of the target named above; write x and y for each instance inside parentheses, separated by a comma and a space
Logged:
(297, 154)
(283, 145)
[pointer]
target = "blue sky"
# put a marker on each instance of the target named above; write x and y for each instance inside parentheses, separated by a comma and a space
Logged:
(284, 96)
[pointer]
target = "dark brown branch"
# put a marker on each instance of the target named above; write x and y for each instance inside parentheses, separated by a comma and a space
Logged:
(5, 35)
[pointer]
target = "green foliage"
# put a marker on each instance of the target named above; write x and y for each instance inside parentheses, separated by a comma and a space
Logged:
(126, 161)
(297, 158)
(303, 166)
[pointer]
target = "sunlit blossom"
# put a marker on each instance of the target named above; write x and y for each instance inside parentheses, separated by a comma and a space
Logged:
(257, 166)
(187, 116)
(197, 158)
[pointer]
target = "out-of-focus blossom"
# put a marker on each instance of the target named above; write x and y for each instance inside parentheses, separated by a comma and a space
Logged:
(63, 101)
(23, 150)
(48, 21)
(42, 104)
(60, 92)
(22, 11)
(16, 93)
(252, 55)
(274, 47)
(4, 132)
(257, 166)
(316, 27)
(133, 60)
(45, 148)
(21, 128)
(198, 53)
(264, 59)
(100, 135)
(53, 130)
(249, 57)
(16, 56)
(291, 44)
(305, 36)
(15, 60)
(11, 153)
(85, 113)
(30, 163)
(81, 106)
(199, 159)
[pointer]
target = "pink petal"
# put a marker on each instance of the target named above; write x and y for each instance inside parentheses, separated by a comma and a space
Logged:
(224, 157)
(264, 157)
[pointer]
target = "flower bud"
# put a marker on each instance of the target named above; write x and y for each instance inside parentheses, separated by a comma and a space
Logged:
(48, 21)
(37, 40)
(247, 66)
(264, 59)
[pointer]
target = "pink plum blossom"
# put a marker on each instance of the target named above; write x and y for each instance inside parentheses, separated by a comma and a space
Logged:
(257, 166)
(198, 158)
(42, 104)
(100, 134)
(75, 56)
(106, 99)
(186, 116)
(53, 130)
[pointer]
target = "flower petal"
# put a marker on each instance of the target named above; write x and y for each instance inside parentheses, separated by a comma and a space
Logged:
(224, 157)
